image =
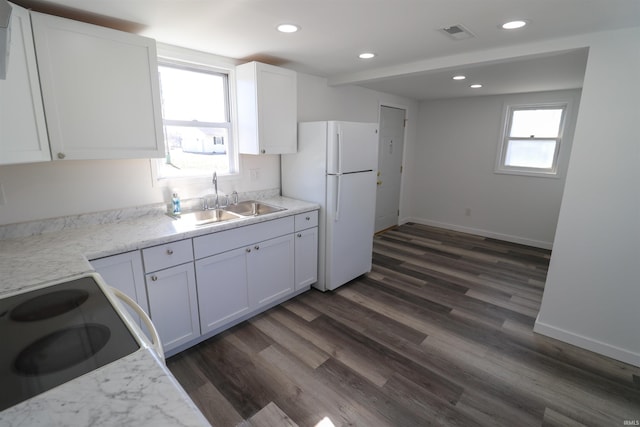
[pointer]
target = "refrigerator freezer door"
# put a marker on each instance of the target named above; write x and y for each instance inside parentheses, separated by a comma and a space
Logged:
(349, 238)
(351, 147)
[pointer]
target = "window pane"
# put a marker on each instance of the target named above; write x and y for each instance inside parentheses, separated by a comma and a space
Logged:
(530, 154)
(194, 151)
(192, 95)
(542, 123)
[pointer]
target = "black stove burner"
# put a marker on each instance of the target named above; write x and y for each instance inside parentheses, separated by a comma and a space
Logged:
(62, 349)
(51, 335)
(49, 305)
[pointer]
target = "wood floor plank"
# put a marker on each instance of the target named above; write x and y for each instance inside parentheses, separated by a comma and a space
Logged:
(439, 333)
(306, 352)
(357, 361)
(316, 398)
(271, 416)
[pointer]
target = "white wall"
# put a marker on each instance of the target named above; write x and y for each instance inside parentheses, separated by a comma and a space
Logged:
(452, 169)
(593, 287)
(53, 189)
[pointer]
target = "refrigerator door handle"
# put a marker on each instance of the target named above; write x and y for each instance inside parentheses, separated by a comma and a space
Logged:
(339, 152)
(336, 218)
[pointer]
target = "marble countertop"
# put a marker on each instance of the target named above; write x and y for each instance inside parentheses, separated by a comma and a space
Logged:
(30, 261)
(137, 389)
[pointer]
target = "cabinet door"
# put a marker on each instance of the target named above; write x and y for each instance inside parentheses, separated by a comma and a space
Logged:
(124, 272)
(270, 270)
(100, 90)
(222, 288)
(267, 109)
(173, 305)
(23, 133)
(306, 258)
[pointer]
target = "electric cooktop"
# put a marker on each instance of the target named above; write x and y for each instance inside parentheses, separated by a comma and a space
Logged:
(52, 335)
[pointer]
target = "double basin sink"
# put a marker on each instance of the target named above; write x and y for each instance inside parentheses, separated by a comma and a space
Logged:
(244, 209)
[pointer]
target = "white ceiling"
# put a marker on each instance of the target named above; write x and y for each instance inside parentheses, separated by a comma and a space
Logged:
(398, 31)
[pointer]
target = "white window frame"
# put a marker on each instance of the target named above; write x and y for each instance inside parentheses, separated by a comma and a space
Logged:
(191, 59)
(551, 172)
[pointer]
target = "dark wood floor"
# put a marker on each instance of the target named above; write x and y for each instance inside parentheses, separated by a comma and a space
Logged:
(439, 333)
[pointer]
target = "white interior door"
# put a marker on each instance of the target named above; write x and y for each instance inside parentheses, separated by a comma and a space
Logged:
(390, 147)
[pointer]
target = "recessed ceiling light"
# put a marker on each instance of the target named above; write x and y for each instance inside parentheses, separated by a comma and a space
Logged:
(513, 25)
(459, 77)
(366, 55)
(288, 28)
(475, 86)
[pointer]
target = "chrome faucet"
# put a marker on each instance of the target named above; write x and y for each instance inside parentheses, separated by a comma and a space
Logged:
(215, 186)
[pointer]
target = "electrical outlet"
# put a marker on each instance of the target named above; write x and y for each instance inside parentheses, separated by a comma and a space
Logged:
(467, 212)
(2, 200)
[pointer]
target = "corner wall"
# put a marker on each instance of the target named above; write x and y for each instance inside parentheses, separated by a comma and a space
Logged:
(593, 287)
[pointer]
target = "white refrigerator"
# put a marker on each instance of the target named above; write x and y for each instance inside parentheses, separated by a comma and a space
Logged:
(335, 166)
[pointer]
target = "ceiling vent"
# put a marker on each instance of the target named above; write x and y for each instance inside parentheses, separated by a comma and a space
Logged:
(457, 32)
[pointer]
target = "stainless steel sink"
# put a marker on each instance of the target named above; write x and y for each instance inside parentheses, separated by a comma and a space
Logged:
(253, 208)
(208, 216)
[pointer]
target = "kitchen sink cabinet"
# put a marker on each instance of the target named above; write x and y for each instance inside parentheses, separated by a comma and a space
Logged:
(267, 109)
(240, 280)
(23, 131)
(100, 90)
(223, 289)
(173, 305)
(270, 270)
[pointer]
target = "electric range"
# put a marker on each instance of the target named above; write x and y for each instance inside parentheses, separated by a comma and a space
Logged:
(54, 334)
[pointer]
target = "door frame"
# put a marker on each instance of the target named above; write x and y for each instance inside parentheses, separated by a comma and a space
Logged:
(404, 151)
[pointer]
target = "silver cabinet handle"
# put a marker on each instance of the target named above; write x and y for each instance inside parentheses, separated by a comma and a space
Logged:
(61, 156)
(169, 251)
(308, 218)
(299, 234)
(248, 249)
(256, 247)
(154, 278)
(155, 338)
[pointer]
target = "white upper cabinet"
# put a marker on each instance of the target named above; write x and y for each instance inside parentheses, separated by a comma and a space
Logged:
(23, 132)
(100, 90)
(267, 109)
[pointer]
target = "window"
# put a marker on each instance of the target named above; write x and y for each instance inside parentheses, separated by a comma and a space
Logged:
(196, 120)
(531, 140)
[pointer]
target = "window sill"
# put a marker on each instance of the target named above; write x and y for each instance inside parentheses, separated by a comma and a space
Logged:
(535, 174)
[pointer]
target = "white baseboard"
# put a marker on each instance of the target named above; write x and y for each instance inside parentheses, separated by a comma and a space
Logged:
(481, 232)
(587, 343)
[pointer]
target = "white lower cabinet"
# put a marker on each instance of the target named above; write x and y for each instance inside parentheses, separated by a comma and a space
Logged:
(173, 305)
(306, 258)
(223, 293)
(236, 274)
(124, 272)
(234, 283)
(270, 270)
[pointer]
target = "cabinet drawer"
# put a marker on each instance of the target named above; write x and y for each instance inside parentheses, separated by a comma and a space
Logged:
(306, 220)
(223, 241)
(167, 255)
